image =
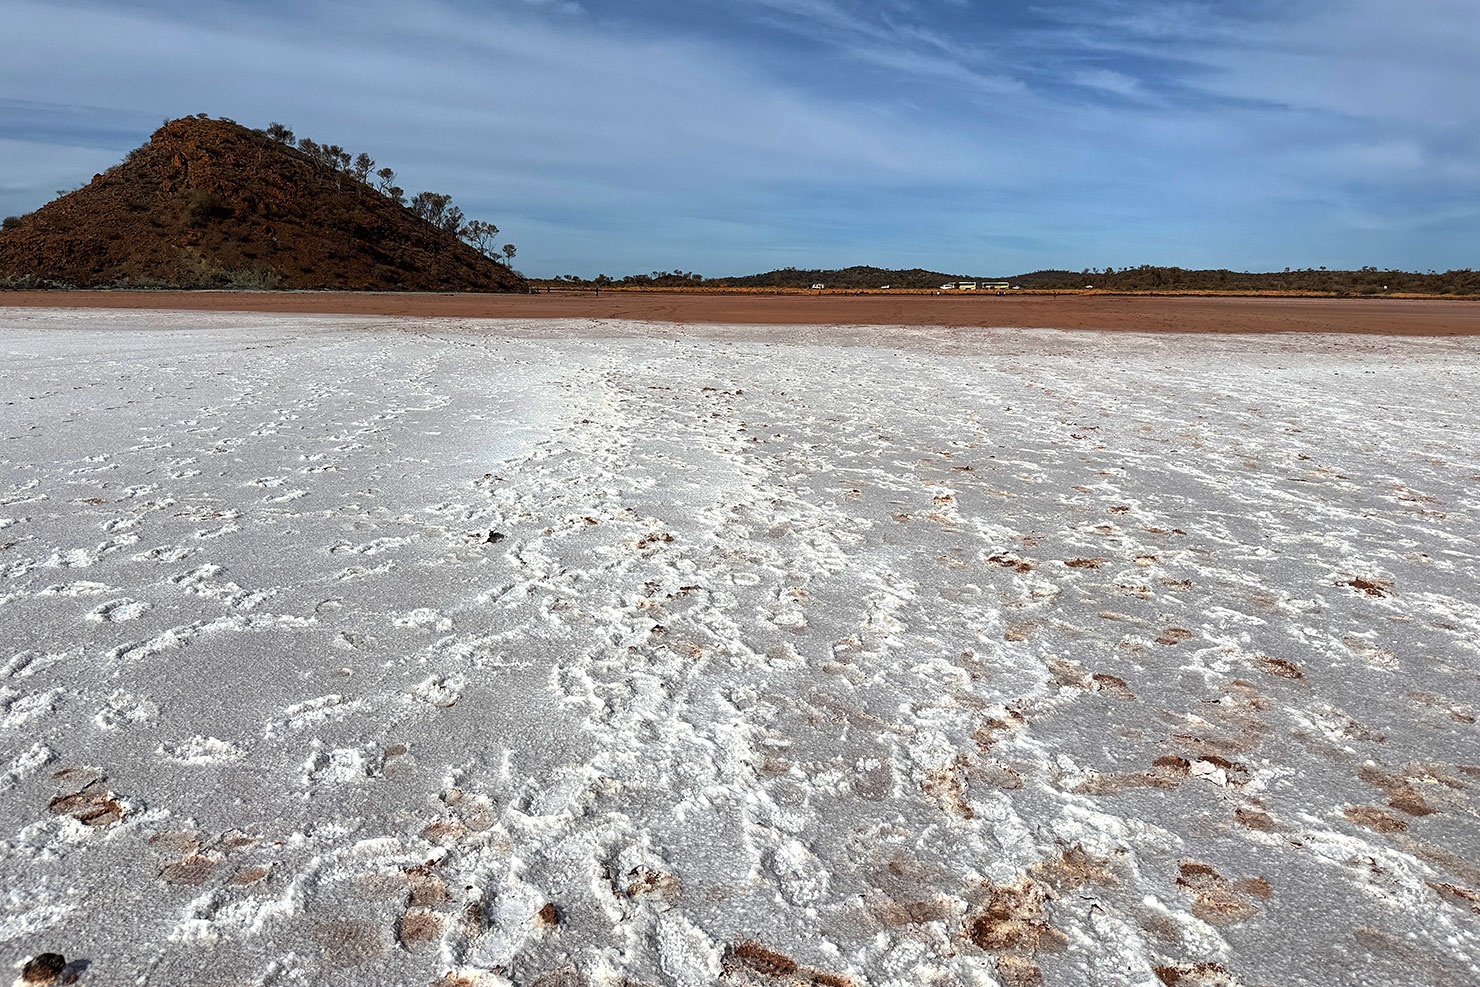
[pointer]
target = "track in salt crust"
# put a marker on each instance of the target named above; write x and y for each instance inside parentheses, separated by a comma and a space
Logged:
(413, 652)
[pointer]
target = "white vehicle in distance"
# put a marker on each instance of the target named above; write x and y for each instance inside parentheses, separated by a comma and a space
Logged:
(818, 287)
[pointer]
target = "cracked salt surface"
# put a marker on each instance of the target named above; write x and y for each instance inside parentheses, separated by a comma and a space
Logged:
(335, 651)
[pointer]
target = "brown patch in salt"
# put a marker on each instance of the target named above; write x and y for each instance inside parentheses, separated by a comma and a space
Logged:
(998, 776)
(1172, 766)
(1456, 895)
(1174, 635)
(92, 805)
(1113, 684)
(419, 929)
(1456, 713)
(1019, 971)
(453, 979)
(894, 914)
(1252, 818)
(946, 787)
(180, 842)
(1216, 900)
(753, 956)
(1279, 667)
(1194, 975)
(1206, 748)
(987, 735)
(1073, 868)
(235, 839)
(425, 888)
(643, 883)
(1067, 674)
(1401, 793)
(1020, 632)
(1371, 587)
(1014, 917)
(1114, 784)
(443, 830)
(1374, 819)
(249, 875)
(1162, 927)
(192, 871)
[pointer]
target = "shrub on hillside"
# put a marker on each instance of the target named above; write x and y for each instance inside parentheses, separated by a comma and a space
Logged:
(202, 206)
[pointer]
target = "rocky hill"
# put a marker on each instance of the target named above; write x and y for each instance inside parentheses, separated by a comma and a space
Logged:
(212, 204)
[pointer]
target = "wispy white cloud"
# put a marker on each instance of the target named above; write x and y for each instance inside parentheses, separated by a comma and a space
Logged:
(1109, 81)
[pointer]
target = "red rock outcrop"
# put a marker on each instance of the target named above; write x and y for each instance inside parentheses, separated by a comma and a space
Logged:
(212, 204)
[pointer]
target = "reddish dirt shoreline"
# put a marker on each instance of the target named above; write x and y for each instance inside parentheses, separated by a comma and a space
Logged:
(1418, 317)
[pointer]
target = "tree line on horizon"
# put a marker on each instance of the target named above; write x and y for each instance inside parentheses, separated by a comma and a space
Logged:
(433, 208)
(1146, 277)
(1369, 280)
(657, 279)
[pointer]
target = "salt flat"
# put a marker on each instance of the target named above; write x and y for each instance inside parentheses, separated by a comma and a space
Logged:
(336, 649)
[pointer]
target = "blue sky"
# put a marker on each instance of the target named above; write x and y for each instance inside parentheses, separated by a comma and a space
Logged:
(732, 136)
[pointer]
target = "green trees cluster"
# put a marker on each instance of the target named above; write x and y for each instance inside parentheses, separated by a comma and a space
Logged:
(434, 208)
(657, 279)
(665, 279)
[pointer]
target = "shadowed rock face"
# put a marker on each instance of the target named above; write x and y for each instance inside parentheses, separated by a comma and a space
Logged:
(211, 204)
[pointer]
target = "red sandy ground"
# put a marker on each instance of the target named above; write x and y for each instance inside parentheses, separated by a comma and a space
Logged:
(1420, 317)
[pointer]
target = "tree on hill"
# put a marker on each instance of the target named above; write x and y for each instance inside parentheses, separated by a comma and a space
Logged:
(385, 184)
(433, 207)
(482, 236)
(438, 210)
(509, 252)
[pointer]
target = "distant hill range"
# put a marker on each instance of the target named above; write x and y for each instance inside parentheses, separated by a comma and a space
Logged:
(1367, 281)
(212, 204)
